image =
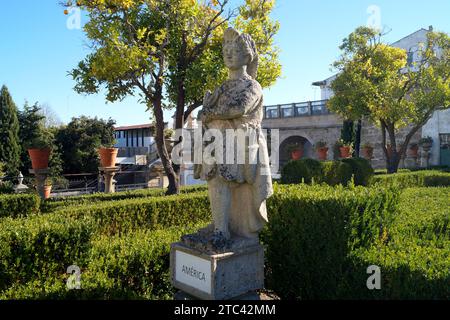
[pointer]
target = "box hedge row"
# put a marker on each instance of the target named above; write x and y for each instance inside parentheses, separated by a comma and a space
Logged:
(131, 266)
(312, 231)
(329, 172)
(426, 178)
(61, 202)
(414, 258)
(319, 242)
(19, 205)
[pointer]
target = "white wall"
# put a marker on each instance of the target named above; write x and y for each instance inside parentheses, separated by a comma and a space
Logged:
(439, 123)
(122, 141)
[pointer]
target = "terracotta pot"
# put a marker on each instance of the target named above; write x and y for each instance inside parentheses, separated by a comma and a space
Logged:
(39, 158)
(108, 157)
(368, 153)
(47, 191)
(322, 153)
(296, 154)
(345, 152)
(414, 152)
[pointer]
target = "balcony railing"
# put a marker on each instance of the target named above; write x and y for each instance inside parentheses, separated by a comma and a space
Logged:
(301, 109)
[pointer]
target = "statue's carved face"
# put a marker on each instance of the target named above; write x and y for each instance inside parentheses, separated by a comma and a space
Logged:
(235, 54)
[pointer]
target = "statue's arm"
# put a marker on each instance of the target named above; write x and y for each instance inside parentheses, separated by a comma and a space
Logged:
(237, 106)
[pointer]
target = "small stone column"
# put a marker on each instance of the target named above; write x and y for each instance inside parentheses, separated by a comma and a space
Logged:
(425, 155)
(41, 176)
(108, 174)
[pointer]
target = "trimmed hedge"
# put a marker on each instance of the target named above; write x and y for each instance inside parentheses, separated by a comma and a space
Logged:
(133, 266)
(19, 205)
(336, 172)
(329, 172)
(414, 257)
(313, 230)
(61, 202)
(361, 169)
(319, 242)
(40, 246)
(428, 178)
(299, 171)
(122, 216)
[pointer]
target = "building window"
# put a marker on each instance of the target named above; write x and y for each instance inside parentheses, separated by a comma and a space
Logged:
(410, 58)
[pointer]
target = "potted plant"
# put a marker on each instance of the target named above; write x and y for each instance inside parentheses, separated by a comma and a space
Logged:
(108, 155)
(39, 151)
(48, 187)
(322, 149)
(367, 151)
(426, 143)
(414, 149)
(345, 149)
(295, 150)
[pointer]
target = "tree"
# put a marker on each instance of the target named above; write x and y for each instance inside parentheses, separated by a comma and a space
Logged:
(31, 126)
(9, 134)
(51, 118)
(376, 82)
(79, 140)
(168, 52)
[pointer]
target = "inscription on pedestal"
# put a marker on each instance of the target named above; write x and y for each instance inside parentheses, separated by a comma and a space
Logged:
(193, 271)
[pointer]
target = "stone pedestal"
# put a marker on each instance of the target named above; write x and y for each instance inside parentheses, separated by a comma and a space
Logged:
(210, 273)
(108, 174)
(41, 176)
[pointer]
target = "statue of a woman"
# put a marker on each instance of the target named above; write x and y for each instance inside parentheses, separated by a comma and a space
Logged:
(237, 191)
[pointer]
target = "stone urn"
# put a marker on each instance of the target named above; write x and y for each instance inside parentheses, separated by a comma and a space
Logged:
(108, 157)
(322, 153)
(345, 151)
(39, 157)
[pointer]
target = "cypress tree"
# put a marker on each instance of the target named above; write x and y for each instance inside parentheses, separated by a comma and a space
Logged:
(9, 134)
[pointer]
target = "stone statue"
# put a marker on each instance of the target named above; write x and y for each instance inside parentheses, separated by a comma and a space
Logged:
(237, 191)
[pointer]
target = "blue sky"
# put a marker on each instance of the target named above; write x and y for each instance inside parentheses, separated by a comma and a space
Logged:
(37, 50)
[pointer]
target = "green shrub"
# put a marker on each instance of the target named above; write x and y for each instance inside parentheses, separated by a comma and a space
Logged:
(362, 170)
(330, 172)
(312, 231)
(39, 246)
(133, 266)
(426, 178)
(336, 172)
(298, 171)
(319, 242)
(153, 213)
(415, 257)
(19, 205)
(295, 171)
(61, 202)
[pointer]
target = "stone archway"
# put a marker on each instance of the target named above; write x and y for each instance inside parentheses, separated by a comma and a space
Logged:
(284, 153)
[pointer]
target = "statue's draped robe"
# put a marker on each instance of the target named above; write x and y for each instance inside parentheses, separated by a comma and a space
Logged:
(240, 106)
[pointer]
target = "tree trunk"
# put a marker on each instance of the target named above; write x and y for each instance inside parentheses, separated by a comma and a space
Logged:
(179, 116)
(174, 186)
(393, 157)
(358, 138)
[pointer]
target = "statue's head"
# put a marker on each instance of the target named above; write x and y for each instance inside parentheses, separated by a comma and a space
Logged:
(240, 50)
